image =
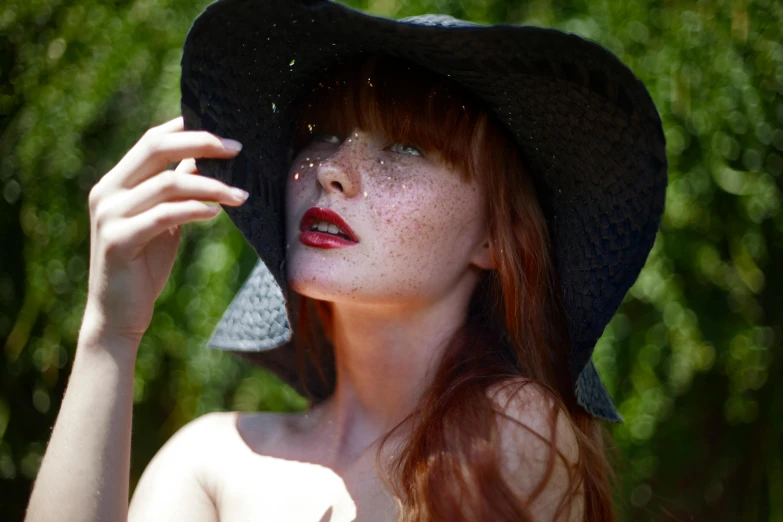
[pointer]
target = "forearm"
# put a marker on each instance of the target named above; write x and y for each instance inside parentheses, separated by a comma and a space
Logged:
(84, 474)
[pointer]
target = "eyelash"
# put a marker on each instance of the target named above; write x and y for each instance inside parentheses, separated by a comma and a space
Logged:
(321, 136)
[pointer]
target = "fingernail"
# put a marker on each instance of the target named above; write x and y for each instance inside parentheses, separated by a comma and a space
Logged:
(239, 194)
(230, 144)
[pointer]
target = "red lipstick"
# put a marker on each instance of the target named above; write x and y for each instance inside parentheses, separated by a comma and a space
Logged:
(323, 239)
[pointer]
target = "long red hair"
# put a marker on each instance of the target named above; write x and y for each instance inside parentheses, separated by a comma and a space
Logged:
(516, 331)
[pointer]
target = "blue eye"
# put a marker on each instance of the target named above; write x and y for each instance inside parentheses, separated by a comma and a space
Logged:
(408, 147)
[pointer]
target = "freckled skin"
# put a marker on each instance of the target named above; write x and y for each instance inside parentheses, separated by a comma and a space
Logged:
(418, 223)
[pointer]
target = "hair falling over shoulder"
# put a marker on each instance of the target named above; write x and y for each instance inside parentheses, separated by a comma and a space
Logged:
(451, 466)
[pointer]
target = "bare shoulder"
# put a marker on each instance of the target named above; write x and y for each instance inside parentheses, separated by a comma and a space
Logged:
(530, 426)
(525, 401)
(180, 481)
(174, 485)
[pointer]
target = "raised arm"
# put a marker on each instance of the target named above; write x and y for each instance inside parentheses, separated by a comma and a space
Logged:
(135, 213)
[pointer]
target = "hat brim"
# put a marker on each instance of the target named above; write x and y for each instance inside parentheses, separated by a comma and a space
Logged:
(587, 126)
(256, 323)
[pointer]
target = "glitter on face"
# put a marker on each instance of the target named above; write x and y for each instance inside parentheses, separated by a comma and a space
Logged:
(418, 223)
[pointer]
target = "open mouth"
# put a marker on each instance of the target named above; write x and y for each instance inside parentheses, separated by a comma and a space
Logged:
(326, 221)
(329, 228)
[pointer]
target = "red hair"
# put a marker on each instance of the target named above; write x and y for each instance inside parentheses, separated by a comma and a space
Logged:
(516, 334)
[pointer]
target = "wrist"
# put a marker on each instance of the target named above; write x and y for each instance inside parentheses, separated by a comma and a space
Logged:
(103, 348)
(96, 319)
(96, 335)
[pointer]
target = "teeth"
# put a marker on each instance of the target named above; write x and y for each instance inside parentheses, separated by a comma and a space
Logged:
(331, 228)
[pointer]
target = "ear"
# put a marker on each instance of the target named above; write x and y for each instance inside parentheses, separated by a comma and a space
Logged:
(482, 257)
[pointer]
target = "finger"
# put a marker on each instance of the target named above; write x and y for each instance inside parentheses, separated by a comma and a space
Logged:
(140, 229)
(173, 125)
(172, 186)
(111, 179)
(187, 165)
(160, 150)
(157, 149)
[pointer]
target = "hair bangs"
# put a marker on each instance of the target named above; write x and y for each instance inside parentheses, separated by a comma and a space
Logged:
(400, 100)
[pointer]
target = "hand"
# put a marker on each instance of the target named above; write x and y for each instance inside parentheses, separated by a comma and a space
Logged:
(136, 210)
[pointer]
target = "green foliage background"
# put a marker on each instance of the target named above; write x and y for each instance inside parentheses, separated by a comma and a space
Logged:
(693, 356)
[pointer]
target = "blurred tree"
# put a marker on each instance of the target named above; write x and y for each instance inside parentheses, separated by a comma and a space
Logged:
(691, 357)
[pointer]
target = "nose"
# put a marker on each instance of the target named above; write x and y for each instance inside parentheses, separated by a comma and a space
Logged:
(341, 171)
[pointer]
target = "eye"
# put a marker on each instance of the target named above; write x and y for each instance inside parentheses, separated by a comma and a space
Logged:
(416, 151)
(329, 138)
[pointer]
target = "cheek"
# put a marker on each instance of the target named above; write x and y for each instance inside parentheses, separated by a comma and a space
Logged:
(294, 192)
(426, 215)
(299, 186)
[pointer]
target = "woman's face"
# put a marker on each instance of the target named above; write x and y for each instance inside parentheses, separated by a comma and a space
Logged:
(419, 226)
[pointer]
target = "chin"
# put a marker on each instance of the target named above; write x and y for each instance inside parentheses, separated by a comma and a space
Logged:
(312, 288)
(338, 287)
(315, 278)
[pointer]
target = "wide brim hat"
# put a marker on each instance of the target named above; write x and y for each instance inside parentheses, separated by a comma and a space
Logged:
(586, 124)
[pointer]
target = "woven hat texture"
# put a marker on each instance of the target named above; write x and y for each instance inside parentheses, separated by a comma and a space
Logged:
(587, 125)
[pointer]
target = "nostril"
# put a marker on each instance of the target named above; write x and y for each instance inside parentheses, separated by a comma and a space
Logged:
(337, 185)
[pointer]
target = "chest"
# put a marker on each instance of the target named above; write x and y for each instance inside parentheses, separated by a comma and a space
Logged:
(260, 488)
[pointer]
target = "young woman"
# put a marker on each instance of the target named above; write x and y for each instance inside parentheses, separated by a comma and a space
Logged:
(425, 285)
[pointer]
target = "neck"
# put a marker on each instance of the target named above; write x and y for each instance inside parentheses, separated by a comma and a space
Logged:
(385, 358)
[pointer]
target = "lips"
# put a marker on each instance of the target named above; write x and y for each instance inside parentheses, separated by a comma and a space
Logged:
(321, 239)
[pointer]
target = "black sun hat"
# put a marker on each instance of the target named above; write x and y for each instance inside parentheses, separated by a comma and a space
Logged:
(589, 129)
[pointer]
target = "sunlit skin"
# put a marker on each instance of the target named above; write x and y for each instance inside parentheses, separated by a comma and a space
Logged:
(397, 296)
(400, 292)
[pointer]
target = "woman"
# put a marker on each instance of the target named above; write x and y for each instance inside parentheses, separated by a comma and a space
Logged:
(434, 306)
